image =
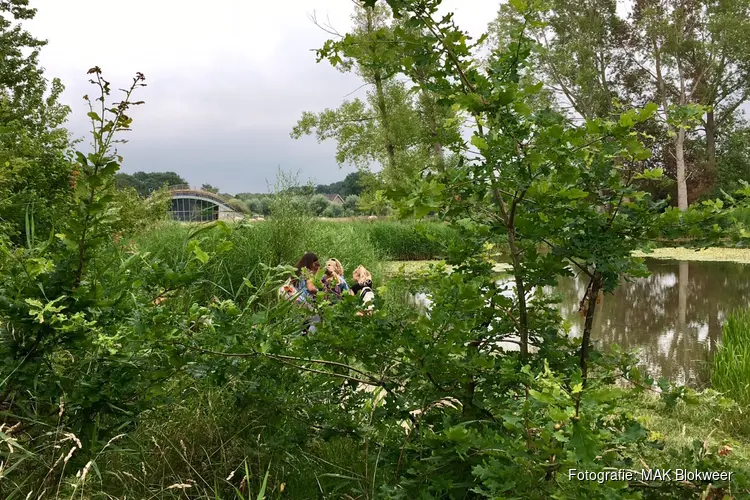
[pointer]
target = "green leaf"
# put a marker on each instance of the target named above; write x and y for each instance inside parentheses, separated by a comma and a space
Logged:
(647, 111)
(604, 395)
(480, 143)
(557, 414)
(653, 174)
(224, 246)
(542, 397)
(81, 158)
(626, 119)
(573, 193)
(197, 251)
(583, 442)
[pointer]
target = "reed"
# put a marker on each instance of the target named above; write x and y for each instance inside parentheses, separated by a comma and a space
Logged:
(731, 367)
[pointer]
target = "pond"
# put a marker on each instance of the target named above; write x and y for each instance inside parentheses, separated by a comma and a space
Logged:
(673, 318)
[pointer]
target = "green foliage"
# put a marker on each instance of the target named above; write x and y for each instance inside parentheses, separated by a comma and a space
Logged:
(61, 333)
(210, 188)
(35, 164)
(333, 210)
(138, 214)
(734, 158)
(353, 184)
(318, 204)
(146, 183)
(351, 203)
(401, 130)
(168, 367)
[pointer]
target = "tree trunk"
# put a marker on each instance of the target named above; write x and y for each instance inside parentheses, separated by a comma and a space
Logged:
(431, 110)
(679, 153)
(711, 144)
(523, 318)
(385, 122)
(592, 293)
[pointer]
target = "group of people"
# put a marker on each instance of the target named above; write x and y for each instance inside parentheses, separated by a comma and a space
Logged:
(301, 286)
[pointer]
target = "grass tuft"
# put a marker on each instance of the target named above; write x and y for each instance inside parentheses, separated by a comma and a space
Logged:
(731, 370)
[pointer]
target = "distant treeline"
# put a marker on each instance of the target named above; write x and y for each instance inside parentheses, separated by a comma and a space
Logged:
(308, 198)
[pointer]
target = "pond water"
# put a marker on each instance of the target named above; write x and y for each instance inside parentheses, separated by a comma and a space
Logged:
(673, 318)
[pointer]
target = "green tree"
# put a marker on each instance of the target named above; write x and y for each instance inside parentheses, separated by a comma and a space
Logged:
(734, 157)
(253, 205)
(353, 183)
(351, 203)
(392, 127)
(148, 182)
(578, 53)
(594, 59)
(318, 204)
(719, 63)
(333, 210)
(210, 188)
(35, 166)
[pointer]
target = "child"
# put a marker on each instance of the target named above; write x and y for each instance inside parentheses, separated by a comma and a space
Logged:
(363, 286)
(334, 280)
(302, 286)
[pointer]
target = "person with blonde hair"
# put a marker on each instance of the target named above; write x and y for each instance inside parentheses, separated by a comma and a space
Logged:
(333, 278)
(363, 285)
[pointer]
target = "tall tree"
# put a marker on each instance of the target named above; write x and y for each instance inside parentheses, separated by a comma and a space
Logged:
(35, 166)
(596, 60)
(663, 34)
(720, 64)
(390, 126)
(579, 52)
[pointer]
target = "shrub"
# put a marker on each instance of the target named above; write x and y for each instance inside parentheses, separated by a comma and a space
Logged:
(351, 203)
(333, 210)
(137, 214)
(253, 205)
(318, 204)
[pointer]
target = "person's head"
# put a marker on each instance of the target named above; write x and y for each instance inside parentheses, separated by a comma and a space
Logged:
(308, 261)
(333, 266)
(362, 275)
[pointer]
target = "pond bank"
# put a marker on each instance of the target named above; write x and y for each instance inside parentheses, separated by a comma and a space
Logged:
(713, 254)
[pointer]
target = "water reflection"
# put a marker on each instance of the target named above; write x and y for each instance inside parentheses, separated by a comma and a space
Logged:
(673, 318)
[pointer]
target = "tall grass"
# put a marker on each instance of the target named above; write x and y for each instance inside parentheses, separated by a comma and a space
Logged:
(731, 373)
(412, 240)
(284, 240)
(212, 443)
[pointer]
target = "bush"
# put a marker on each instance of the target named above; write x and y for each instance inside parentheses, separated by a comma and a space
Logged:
(333, 210)
(351, 203)
(253, 205)
(318, 204)
(137, 214)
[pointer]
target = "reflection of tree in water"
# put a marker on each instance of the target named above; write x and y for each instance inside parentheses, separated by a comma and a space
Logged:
(673, 317)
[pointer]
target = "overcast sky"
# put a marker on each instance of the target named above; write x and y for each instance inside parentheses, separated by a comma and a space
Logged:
(227, 80)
